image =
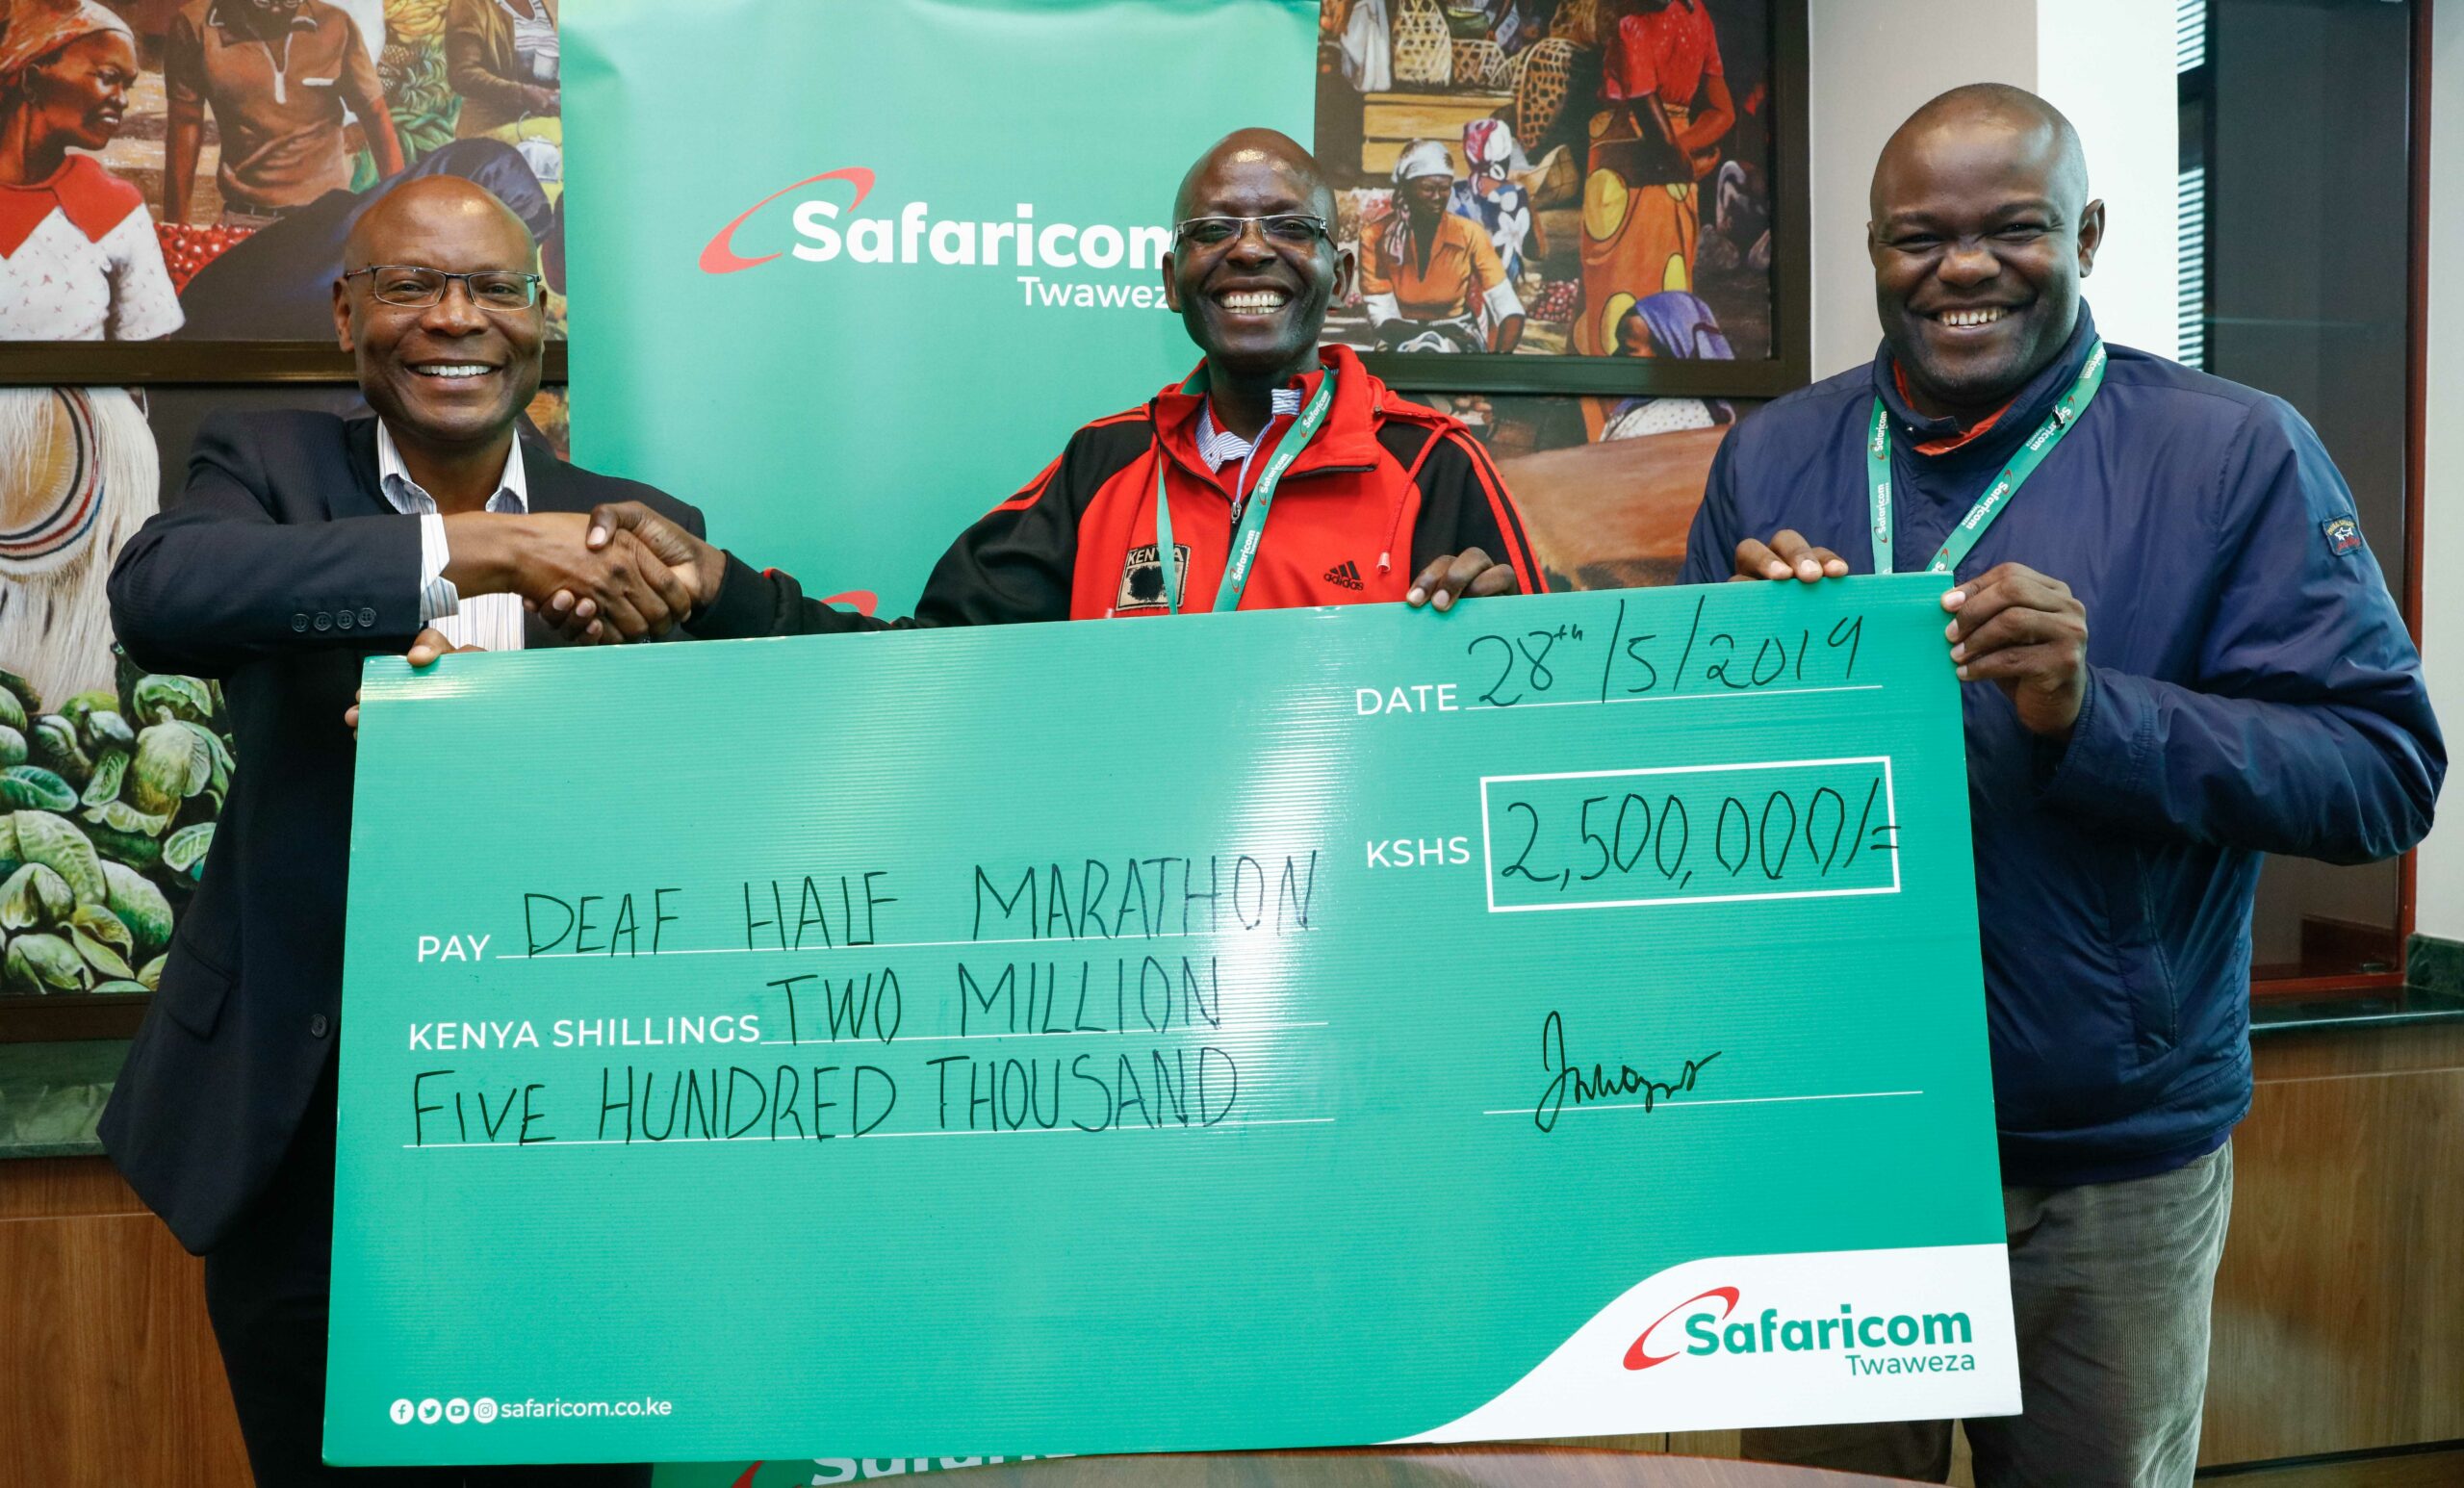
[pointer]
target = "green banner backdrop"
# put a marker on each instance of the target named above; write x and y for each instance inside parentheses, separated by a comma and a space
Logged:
(847, 272)
(1559, 1016)
(845, 416)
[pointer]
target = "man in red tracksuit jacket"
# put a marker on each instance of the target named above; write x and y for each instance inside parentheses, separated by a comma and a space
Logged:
(1388, 500)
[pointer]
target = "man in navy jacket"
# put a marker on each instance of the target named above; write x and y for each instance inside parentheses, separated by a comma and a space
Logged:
(2193, 661)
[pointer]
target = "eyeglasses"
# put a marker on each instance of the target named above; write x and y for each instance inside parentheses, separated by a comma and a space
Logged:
(415, 288)
(1287, 229)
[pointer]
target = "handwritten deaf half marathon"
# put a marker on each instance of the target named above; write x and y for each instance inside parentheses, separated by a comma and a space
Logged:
(1160, 1034)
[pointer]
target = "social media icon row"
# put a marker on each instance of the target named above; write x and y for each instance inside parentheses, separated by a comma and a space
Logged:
(452, 1412)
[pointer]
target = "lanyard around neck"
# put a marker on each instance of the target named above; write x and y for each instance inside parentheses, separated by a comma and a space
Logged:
(1253, 514)
(1997, 496)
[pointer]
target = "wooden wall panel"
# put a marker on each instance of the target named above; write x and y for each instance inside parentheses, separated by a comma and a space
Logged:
(108, 1369)
(2340, 1305)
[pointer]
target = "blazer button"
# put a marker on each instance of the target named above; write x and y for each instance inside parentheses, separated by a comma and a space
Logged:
(319, 1027)
(368, 620)
(299, 622)
(342, 618)
(325, 620)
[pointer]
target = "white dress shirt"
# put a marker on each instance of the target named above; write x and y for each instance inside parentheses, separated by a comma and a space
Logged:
(491, 621)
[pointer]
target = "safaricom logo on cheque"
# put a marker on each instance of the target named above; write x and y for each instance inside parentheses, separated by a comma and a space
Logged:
(1709, 1324)
(825, 232)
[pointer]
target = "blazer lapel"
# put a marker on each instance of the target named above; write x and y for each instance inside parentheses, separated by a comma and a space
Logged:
(553, 486)
(365, 495)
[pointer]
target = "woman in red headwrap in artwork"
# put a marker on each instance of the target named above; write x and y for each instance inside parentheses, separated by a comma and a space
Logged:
(79, 260)
(1665, 107)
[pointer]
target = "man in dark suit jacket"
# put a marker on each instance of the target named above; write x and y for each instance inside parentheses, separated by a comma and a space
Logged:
(303, 544)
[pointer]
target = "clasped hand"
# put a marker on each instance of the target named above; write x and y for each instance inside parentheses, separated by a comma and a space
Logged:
(2011, 626)
(590, 578)
(625, 590)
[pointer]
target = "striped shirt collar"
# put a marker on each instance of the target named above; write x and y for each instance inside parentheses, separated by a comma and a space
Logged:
(1218, 447)
(409, 497)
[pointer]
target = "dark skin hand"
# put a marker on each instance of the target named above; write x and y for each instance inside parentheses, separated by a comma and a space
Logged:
(2027, 634)
(431, 645)
(1982, 231)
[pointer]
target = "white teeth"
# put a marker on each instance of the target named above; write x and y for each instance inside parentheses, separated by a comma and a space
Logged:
(1247, 301)
(1985, 317)
(465, 369)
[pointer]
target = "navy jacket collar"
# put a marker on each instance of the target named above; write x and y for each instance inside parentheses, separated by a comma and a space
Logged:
(2027, 410)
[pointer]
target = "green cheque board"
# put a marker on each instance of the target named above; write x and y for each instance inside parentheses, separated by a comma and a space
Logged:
(1559, 1016)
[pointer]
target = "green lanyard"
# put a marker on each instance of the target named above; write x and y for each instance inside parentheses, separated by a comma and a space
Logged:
(1956, 548)
(1254, 516)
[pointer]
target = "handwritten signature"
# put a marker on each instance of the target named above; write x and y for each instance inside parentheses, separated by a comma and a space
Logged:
(1568, 1083)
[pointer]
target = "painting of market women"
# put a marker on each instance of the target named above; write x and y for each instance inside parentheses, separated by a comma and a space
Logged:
(1585, 177)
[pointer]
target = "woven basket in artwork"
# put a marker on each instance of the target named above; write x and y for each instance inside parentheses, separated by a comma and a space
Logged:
(1581, 21)
(1424, 48)
(1481, 65)
(1546, 68)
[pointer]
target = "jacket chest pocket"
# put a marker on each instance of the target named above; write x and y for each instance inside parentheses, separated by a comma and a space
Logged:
(2139, 948)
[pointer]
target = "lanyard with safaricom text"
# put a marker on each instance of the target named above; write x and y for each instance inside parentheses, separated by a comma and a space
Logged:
(1253, 516)
(1997, 496)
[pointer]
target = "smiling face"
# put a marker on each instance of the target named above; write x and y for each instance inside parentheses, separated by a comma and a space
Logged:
(1254, 304)
(80, 92)
(451, 375)
(1980, 236)
(1426, 196)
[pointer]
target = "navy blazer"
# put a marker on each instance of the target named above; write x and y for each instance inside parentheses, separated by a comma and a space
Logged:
(279, 568)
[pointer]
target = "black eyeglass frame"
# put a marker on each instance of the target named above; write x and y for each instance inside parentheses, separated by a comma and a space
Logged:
(1321, 231)
(535, 283)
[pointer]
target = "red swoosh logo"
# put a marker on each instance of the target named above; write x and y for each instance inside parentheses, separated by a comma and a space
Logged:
(746, 1481)
(720, 257)
(1637, 1358)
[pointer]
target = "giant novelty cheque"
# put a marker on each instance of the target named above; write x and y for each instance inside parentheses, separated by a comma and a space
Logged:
(1559, 1017)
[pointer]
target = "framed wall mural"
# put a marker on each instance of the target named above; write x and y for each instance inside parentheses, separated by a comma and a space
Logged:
(1577, 225)
(1595, 197)
(182, 174)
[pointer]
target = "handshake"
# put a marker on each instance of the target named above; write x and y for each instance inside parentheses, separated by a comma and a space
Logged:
(624, 572)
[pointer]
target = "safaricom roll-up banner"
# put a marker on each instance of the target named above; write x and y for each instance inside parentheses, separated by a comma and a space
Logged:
(846, 274)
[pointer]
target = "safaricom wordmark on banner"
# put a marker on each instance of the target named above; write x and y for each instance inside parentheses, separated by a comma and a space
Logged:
(847, 275)
(826, 232)
(923, 1089)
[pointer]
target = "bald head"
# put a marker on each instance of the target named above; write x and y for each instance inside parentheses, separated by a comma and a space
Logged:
(1997, 114)
(1251, 149)
(1982, 231)
(437, 208)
